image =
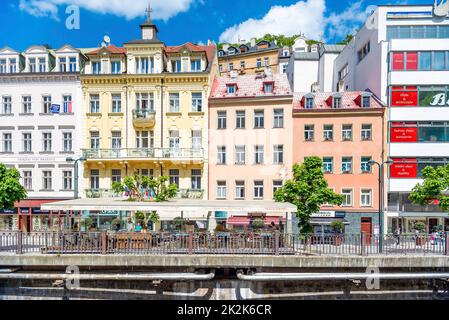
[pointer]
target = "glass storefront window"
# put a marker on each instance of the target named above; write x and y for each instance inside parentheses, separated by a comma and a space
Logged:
(436, 133)
(425, 60)
(439, 60)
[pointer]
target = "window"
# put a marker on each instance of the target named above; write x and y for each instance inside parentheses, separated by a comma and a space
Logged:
(12, 65)
(116, 141)
(32, 64)
(258, 189)
(96, 67)
(242, 64)
(197, 102)
(116, 175)
(346, 165)
(258, 154)
(278, 121)
(343, 72)
(144, 101)
(336, 102)
(240, 155)
(425, 61)
(26, 142)
(240, 119)
(94, 103)
(95, 179)
(145, 65)
(26, 104)
(268, 87)
(95, 140)
(240, 189)
(259, 119)
(418, 32)
(230, 66)
(3, 67)
(174, 102)
(366, 198)
(328, 165)
(309, 103)
(67, 180)
(347, 197)
(67, 104)
(220, 68)
(221, 120)
(46, 180)
(195, 65)
(146, 172)
(221, 189)
(62, 65)
(267, 61)
(176, 66)
(67, 141)
(309, 132)
(438, 61)
(197, 139)
(221, 152)
(367, 132)
(174, 177)
(174, 141)
(363, 52)
(346, 133)
(116, 67)
(365, 166)
(328, 132)
(72, 64)
(7, 143)
(7, 105)
(42, 65)
(27, 177)
(284, 68)
(231, 88)
(221, 53)
(277, 184)
(196, 179)
(46, 104)
(46, 142)
(259, 63)
(366, 101)
(144, 139)
(278, 154)
(116, 103)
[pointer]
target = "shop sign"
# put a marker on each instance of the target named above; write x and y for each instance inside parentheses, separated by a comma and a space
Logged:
(439, 99)
(404, 168)
(323, 214)
(404, 98)
(404, 134)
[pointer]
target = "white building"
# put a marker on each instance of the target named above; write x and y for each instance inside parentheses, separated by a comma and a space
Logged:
(40, 96)
(401, 54)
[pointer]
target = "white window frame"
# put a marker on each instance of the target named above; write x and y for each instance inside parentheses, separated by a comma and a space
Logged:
(364, 194)
(221, 189)
(351, 195)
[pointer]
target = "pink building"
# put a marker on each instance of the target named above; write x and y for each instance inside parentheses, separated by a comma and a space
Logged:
(346, 130)
(250, 138)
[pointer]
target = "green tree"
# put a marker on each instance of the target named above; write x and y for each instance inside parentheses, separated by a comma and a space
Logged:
(347, 39)
(435, 187)
(138, 186)
(308, 191)
(11, 191)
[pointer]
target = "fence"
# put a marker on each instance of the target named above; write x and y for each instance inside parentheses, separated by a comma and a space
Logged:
(273, 243)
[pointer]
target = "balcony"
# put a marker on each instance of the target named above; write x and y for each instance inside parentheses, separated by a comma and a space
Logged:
(108, 193)
(144, 153)
(143, 118)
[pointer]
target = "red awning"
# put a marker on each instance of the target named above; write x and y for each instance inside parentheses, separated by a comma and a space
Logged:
(239, 220)
(35, 203)
(268, 220)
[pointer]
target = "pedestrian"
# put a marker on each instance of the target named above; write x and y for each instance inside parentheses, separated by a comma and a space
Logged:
(138, 228)
(130, 226)
(397, 235)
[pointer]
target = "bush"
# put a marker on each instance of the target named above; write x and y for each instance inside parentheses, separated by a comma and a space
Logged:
(337, 226)
(420, 226)
(258, 223)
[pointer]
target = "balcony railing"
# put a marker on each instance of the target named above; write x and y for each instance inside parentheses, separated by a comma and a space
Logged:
(108, 193)
(144, 153)
(143, 118)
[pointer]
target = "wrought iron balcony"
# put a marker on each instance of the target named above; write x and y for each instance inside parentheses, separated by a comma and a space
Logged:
(108, 193)
(144, 153)
(144, 118)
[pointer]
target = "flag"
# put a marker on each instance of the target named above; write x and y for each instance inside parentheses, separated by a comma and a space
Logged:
(68, 107)
(55, 108)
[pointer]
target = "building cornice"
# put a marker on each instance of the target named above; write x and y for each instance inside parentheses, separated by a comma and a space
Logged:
(338, 112)
(39, 77)
(250, 99)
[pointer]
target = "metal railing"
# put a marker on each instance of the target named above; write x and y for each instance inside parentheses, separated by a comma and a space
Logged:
(268, 243)
(143, 153)
(144, 114)
(109, 193)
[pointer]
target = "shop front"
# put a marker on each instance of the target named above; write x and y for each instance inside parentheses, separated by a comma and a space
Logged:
(406, 221)
(322, 221)
(254, 221)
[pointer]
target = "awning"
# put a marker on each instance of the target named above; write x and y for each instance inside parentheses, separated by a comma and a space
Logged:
(327, 221)
(239, 220)
(424, 215)
(35, 203)
(268, 220)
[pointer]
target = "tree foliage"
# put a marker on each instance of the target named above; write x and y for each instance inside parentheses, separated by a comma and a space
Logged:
(347, 39)
(138, 187)
(281, 40)
(308, 191)
(434, 188)
(11, 191)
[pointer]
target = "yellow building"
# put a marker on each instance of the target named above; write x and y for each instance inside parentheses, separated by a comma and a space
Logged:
(250, 58)
(146, 111)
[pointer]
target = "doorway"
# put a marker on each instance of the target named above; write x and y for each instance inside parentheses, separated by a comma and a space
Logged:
(366, 227)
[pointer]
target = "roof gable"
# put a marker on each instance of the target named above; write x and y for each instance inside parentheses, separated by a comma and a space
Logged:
(36, 50)
(67, 49)
(8, 50)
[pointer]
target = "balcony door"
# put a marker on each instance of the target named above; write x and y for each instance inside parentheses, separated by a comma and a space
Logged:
(175, 150)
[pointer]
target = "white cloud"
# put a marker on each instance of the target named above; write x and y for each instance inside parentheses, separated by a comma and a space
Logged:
(301, 17)
(130, 9)
(310, 17)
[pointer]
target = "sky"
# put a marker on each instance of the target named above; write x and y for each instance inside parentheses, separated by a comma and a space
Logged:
(57, 22)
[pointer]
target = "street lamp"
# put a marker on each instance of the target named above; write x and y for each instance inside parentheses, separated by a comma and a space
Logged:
(381, 183)
(75, 165)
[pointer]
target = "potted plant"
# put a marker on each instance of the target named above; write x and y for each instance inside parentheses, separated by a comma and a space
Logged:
(338, 228)
(257, 224)
(86, 223)
(420, 228)
(116, 224)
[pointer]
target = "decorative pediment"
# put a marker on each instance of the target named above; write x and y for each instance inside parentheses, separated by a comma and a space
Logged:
(67, 49)
(8, 50)
(36, 50)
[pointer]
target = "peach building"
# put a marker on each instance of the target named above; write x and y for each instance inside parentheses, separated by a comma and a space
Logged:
(346, 130)
(250, 136)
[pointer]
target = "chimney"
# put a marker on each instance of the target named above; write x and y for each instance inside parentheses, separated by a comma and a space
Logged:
(226, 46)
(233, 74)
(341, 86)
(315, 87)
(253, 42)
(314, 48)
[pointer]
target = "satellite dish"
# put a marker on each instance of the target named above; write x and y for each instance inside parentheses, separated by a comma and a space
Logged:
(107, 39)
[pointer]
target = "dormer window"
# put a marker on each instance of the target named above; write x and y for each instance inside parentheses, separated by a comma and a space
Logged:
(96, 67)
(42, 65)
(336, 102)
(232, 51)
(72, 64)
(116, 67)
(268, 87)
(176, 66)
(62, 64)
(195, 65)
(33, 65)
(243, 49)
(259, 63)
(12, 65)
(285, 53)
(366, 101)
(231, 88)
(3, 68)
(309, 102)
(221, 53)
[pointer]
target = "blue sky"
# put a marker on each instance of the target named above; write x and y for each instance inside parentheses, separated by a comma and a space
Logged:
(28, 22)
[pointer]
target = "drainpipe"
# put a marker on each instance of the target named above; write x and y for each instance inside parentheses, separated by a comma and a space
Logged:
(162, 119)
(338, 276)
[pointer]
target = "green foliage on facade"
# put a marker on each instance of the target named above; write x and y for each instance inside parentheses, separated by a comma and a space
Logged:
(434, 187)
(11, 191)
(281, 40)
(347, 39)
(308, 191)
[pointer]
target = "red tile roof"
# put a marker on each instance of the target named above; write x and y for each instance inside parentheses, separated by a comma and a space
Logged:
(250, 86)
(323, 101)
(111, 48)
(209, 50)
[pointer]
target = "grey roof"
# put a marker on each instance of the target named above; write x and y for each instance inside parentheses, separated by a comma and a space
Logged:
(271, 46)
(141, 41)
(307, 56)
(333, 48)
